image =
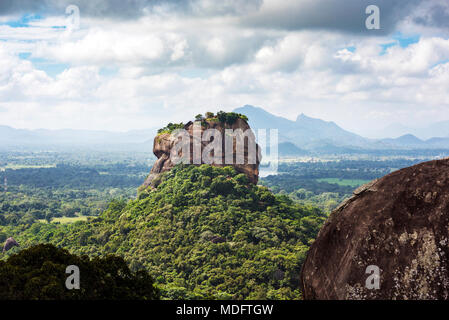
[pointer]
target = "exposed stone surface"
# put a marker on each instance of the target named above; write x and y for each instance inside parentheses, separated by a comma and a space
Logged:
(9, 243)
(399, 223)
(164, 143)
(218, 239)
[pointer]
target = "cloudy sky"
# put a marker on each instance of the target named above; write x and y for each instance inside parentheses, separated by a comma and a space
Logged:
(139, 64)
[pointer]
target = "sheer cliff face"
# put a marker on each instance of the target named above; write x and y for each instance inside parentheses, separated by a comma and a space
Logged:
(399, 223)
(164, 145)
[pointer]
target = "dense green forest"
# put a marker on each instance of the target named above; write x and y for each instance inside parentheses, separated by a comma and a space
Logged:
(65, 190)
(205, 232)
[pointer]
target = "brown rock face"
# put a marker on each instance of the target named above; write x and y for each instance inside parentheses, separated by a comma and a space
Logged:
(399, 223)
(164, 143)
(9, 243)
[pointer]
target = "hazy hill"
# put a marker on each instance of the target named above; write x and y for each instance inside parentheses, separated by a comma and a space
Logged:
(437, 129)
(410, 141)
(407, 140)
(69, 137)
(290, 149)
(438, 142)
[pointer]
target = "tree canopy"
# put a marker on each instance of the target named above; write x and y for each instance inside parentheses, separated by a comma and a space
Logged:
(39, 273)
(205, 232)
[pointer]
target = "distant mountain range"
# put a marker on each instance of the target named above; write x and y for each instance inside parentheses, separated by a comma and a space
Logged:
(303, 136)
(306, 133)
(412, 142)
(309, 134)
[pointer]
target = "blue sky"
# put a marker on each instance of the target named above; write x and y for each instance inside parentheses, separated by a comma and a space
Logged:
(134, 65)
(23, 21)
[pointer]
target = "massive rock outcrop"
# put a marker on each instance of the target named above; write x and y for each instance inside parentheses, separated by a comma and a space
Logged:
(399, 223)
(165, 142)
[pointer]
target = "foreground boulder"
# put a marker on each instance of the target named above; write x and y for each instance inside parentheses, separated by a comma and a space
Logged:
(400, 224)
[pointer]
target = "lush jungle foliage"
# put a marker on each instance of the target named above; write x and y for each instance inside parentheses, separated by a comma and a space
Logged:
(205, 232)
(39, 273)
(64, 190)
(230, 117)
(225, 117)
(170, 128)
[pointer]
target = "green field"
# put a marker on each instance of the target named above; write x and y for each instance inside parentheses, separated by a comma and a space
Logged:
(65, 220)
(344, 182)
